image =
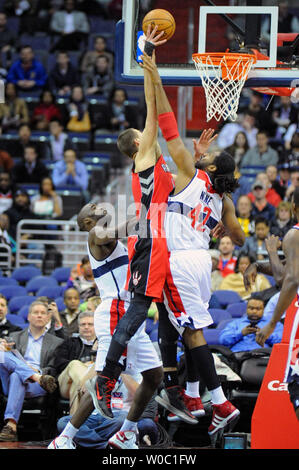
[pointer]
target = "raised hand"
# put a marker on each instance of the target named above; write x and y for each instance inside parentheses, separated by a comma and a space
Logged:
(203, 143)
(153, 38)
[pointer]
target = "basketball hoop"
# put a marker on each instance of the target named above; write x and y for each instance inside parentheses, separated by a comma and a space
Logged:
(223, 76)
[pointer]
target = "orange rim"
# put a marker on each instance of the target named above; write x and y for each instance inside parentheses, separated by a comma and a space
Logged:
(228, 62)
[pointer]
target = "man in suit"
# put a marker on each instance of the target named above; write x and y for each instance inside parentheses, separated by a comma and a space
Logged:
(28, 370)
(6, 328)
(30, 170)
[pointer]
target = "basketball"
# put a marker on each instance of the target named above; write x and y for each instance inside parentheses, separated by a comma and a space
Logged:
(161, 18)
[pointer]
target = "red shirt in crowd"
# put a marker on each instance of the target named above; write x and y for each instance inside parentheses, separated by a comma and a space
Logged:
(227, 266)
(272, 197)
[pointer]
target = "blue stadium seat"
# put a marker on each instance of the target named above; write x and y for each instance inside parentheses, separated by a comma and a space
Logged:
(211, 335)
(226, 297)
(23, 312)
(11, 291)
(223, 323)
(36, 42)
(40, 281)
(237, 309)
(8, 281)
(270, 279)
(218, 315)
(49, 291)
(16, 320)
(60, 304)
(61, 274)
(25, 273)
(17, 302)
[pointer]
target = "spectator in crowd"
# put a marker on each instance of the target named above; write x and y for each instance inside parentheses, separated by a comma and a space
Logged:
(287, 138)
(6, 191)
(271, 195)
(235, 281)
(54, 325)
(287, 22)
(73, 359)
(261, 206)
(262, 154)
(262, 118)
(64, 76)
(240, 334)
(227, 260)
(283, 221)
(59, 141)
(20, 210)
(294, 180)
(118, 115)
(8, 37)
(79, 119)
(26, 10)
(27, 73)
(272, 173)
(72, 26)
(70, 171)
(6, 162)
(45, 111)
(89, 58)
(256, 243)
(37, 348)
(47, 204)
(216, 276)
(244, 208)
(93, 302)
(84, 283)
(30, 169)
(291, 156)
(100, 80)
(14, 111)
(238, 148)
(6, 327)
(284, 114)
(284, 178)
(5, 238)
(229, 131)
(96, 430)
(24, 139)
(69, 316)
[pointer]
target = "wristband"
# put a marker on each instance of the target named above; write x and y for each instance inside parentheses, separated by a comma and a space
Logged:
(168, 126)
(149, 48)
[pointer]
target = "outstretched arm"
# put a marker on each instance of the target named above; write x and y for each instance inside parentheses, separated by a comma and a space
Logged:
(231, 223)
(101, 235)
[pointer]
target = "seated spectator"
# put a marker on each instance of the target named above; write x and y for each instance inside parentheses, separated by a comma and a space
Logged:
(271, 195)
(272, 173)
(118, 115)
(235, 281)
(244, 208)
(70, 171)
(24, 139)
(8, 37)
(84, 283)
(227, 260)
(291, 156)
(26, 10)
(72, 26)
(283, 221)
(14, 111)
(294, 182)
(54, 325)
(287, 21)
(27, 73)
(6, 328)
(262, 154)
(240, 334)
(216, 276)
(239, 147)
(93, 302)
(100, 80)
(30, 169)
(37, 348)
(256, 243)
(287, 138)
(69, 316)
(261, 206)
(5, 238)
(284, 178)
(6, 191)
(47, 204)
(20, 210)
(45, 111)
(262, 119)
(64, 76)
(59, 141)
(284, 114)
(229, 131)
(73, 359)
(90, 57)
(79, 119)
(6, 161)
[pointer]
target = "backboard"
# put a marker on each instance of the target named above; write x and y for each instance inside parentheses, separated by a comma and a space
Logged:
(201, 29)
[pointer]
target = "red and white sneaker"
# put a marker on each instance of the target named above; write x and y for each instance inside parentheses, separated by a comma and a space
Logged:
(124, 440)
(194, 405)
(222, 415)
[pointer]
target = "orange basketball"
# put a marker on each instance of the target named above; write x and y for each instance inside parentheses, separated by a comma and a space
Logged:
(161, 18)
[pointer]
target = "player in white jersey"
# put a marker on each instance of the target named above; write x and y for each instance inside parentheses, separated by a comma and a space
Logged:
(288, 275)
(109, 261)
(198, 204)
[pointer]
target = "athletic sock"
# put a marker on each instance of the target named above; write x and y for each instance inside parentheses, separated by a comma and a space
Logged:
(202, 357)
(171, 378)
(217, 396)
(129, 425)
(69, 431)
(192, 389)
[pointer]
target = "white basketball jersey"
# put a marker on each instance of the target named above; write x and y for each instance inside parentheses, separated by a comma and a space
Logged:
(110, 273)
(192, 214)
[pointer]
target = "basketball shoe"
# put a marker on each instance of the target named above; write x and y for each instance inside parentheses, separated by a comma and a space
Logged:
(124, 440)
(100, 389)
(223, 414)
(62, 442)
(194, 405)
(172, 399)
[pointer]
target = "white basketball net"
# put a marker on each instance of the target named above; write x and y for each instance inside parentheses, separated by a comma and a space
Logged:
(222, 97)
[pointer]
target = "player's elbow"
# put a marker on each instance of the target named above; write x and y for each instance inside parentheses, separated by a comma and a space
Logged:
(238, 238)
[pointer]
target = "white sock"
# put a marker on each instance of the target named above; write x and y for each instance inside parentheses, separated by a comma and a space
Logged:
(192, 389)
(217, 396)
(69, 431)
(129, 426)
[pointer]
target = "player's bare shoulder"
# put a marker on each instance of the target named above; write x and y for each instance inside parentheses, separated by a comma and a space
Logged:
(147, 159)
(290, 242)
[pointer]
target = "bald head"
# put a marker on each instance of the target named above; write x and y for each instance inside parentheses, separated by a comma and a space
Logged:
(89, 216)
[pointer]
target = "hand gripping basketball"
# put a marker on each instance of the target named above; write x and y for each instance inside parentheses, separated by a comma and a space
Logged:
(152, 40)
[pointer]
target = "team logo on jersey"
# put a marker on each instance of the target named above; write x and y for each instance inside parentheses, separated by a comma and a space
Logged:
(136, 278)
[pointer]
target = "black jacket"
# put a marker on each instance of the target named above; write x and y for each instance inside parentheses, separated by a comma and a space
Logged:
(21, 175)
(71, 348)
(8, 328)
